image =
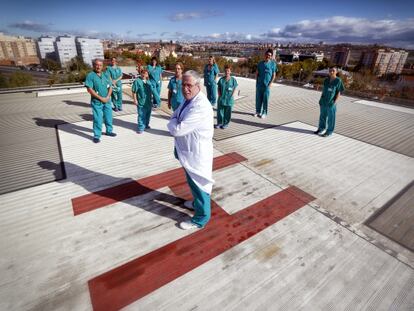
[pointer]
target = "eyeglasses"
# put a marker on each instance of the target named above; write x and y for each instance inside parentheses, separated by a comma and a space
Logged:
(188, 86)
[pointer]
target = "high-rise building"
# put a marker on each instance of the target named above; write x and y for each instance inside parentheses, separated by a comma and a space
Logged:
(66, 49)
(340, 56)
(89, 49)
(46, 48)
(384, 61)
(17, 50)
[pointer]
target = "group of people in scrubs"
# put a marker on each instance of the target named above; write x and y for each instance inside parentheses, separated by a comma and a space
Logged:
(192, 122)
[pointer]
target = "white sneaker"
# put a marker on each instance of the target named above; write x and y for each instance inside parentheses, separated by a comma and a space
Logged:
(263, 116)
(255, 115)
(188, 225)
(189, 205)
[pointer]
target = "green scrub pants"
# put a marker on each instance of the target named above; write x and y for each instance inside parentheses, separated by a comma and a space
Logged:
(116, 97)
(144, 116)
(201, 204)
(327, 112)
(211, 89)
(223, 114)
(262, 99)
(156, 100)
(101, 113)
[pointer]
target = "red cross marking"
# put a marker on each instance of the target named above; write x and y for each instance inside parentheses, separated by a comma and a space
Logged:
(129, 282)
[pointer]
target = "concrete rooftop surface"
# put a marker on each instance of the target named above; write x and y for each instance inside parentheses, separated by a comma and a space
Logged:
(299, 222)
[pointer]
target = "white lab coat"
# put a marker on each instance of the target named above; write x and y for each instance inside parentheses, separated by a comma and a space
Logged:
(193, 132)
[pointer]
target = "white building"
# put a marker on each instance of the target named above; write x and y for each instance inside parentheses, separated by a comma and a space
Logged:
(89, 49)
(46, 47)
(66, 49)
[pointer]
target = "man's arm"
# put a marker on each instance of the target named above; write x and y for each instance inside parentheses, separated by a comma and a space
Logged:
(273, 77)
(338, 94)
(100, 98)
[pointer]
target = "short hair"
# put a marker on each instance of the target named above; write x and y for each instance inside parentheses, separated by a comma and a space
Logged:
(193, 74)
(333, 67)
(95, 60)
(154, 57)
(227, 66)
(143, 70)
(180, 64)
(269, 51)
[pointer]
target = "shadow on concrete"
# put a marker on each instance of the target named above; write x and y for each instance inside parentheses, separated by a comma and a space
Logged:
(85, 178)
(129, 125)
(275, 126)
(78, 104)
(242, 113)
(69, 127)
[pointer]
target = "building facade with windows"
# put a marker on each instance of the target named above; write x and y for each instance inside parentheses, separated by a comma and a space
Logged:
(17, 51)
(89, 49)
(66, 49)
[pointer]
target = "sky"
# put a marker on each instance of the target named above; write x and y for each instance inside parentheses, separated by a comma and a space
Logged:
(359, 22)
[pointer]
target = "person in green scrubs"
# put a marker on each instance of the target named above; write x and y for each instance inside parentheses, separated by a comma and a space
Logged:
(143, 91)
(99, 86)
(332, 89)
(115, 73)
(265, 74)
(211, 71)
(155, 77)
(175, 93)
(226, 87)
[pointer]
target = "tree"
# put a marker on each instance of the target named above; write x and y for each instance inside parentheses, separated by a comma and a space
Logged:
(18, 79)
(169, 62)
(77, 64)
(53, 78)
(50, 64)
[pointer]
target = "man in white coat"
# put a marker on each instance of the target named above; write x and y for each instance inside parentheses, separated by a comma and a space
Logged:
(192, 126)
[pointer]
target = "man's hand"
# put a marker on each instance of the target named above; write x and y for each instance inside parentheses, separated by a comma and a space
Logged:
(105, 99)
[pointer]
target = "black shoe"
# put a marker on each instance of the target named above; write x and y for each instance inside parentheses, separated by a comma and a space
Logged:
(115, 109)
(119, 109)
(216, 126)
(148, 127)
(317, 132)
(96, 140)
(110, 134)
(326, 134)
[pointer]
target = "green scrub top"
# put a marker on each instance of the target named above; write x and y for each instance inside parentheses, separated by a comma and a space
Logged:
(226, 89)
(144, 90)
(330, 90)
(177, 97)
(210, 74)
(100, 84)
(154, 74)
(265, 72)
(114, 73)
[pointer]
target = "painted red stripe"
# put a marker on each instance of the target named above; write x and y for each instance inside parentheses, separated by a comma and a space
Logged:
(124, 285)
(95, 200)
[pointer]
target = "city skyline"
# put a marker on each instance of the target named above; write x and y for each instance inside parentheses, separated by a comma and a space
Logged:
(368, 22)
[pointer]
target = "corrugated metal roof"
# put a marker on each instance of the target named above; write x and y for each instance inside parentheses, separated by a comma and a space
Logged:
(28, 134)
(49, 255)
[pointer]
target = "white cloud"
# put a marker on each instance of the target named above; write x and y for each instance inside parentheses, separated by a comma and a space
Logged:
(183, 16)
(348, 29)
(31, 26)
